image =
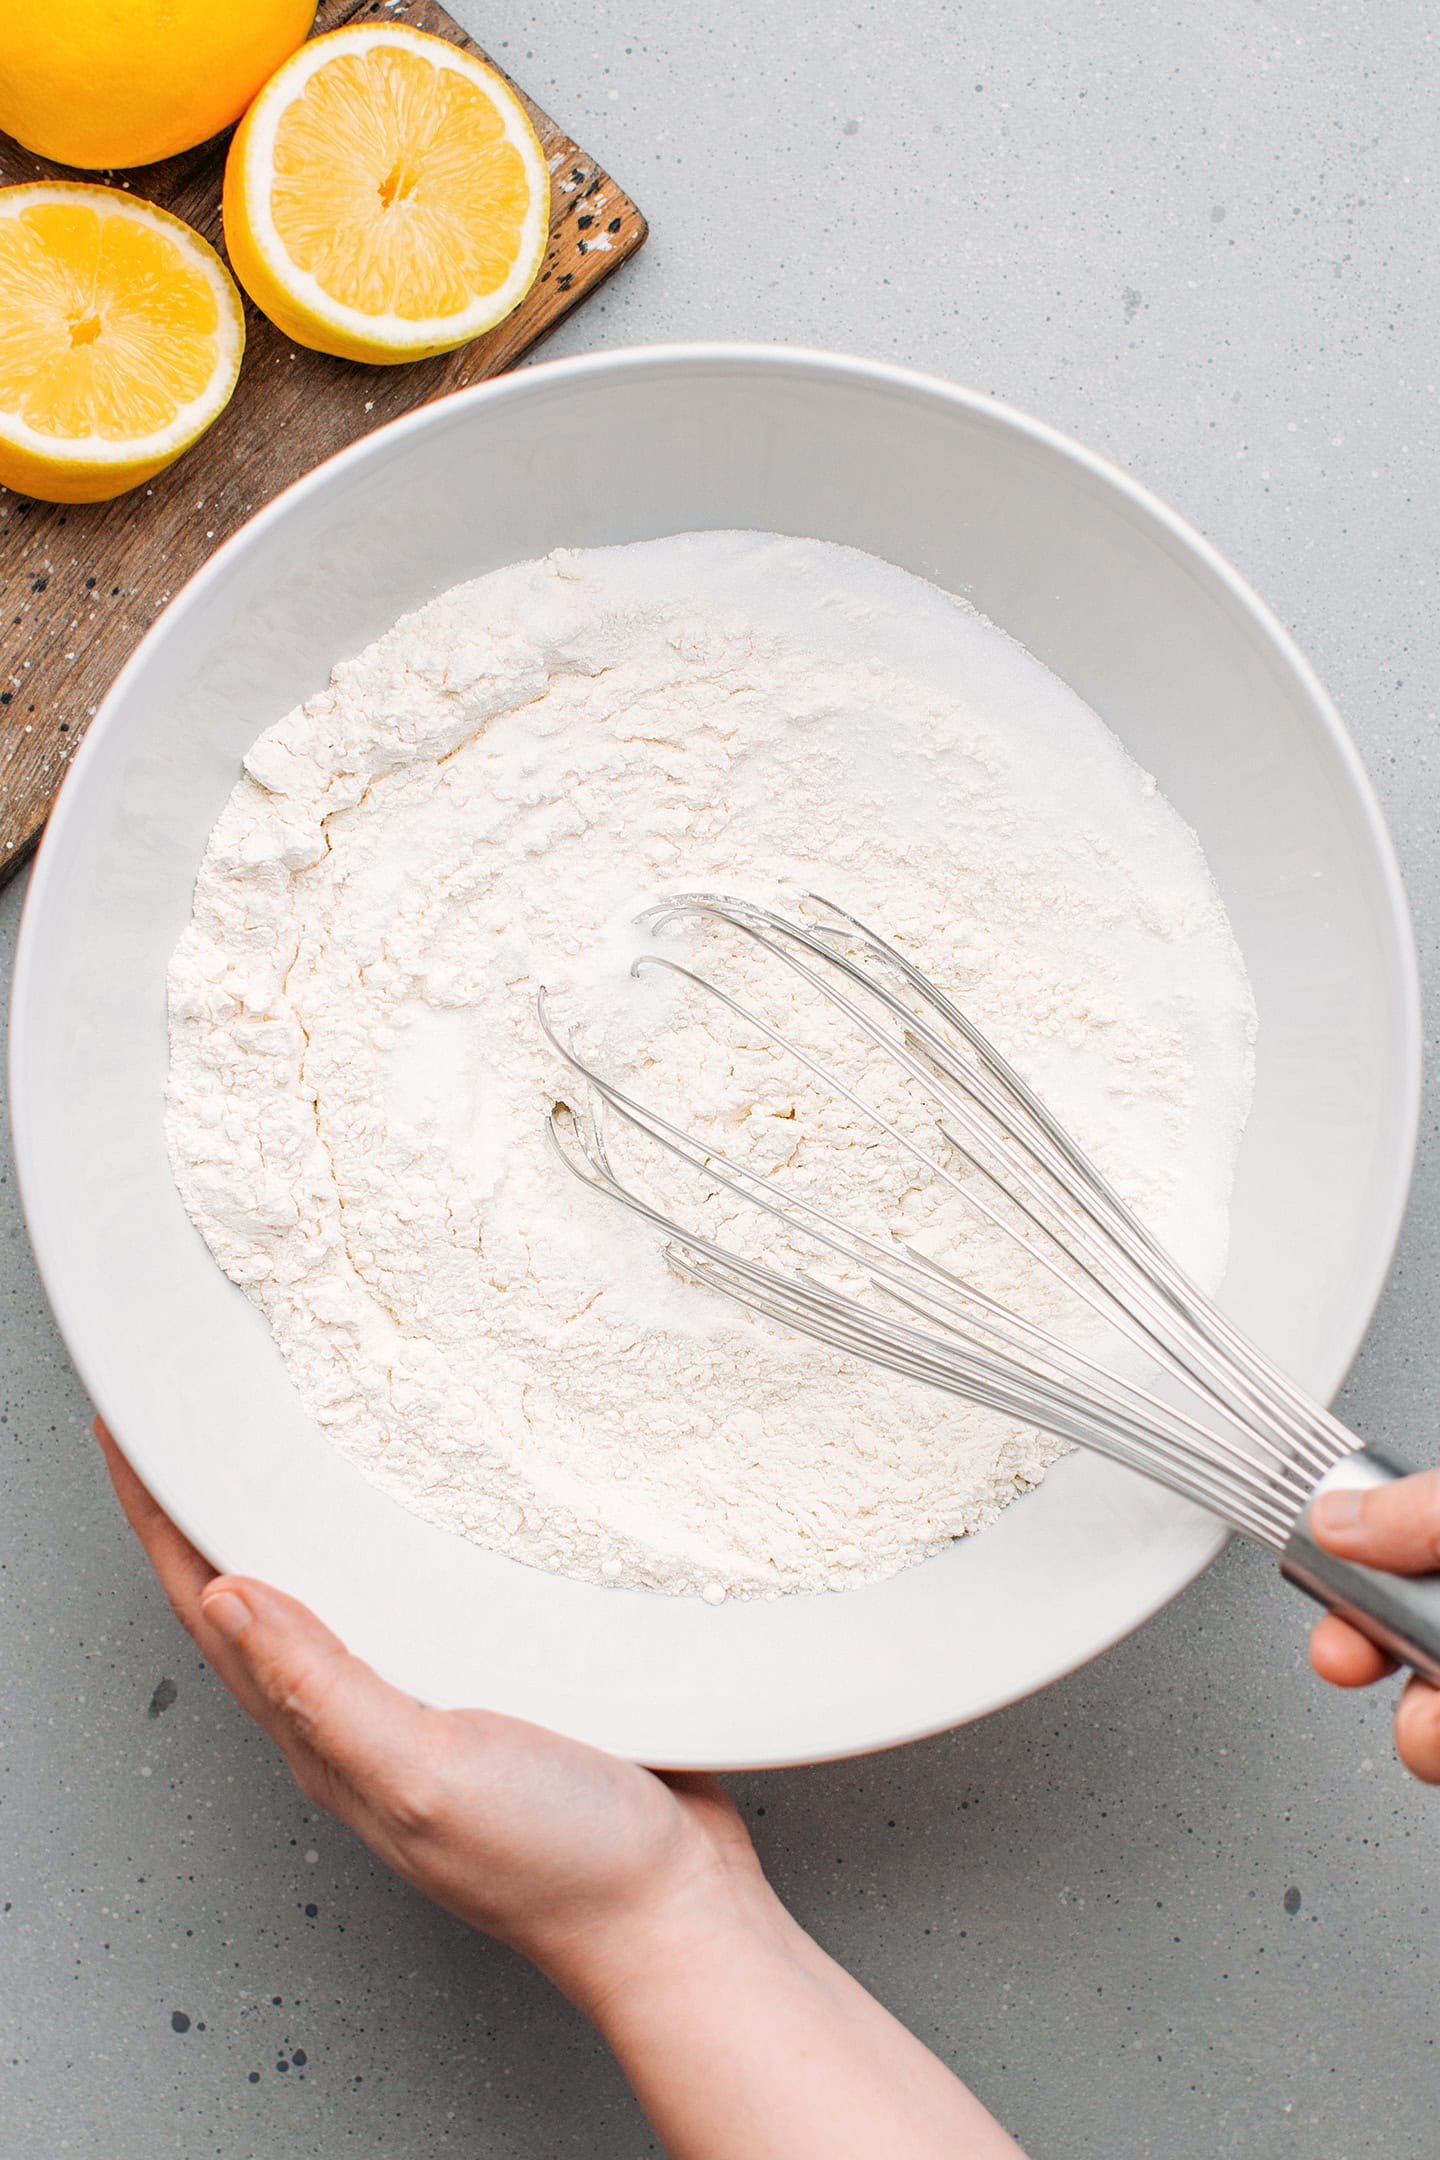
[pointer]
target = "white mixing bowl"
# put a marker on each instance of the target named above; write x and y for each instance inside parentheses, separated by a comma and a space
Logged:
(1104, 585)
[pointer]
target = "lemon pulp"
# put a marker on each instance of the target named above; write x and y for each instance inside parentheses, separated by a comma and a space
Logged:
(105, 329)
(395, 186)
(120, 339)
(386, 196)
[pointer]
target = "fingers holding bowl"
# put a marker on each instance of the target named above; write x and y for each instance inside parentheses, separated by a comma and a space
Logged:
(182, 1571)
(188, 1580)
(314, 1693)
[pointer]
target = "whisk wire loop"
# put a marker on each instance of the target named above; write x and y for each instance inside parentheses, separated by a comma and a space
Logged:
(1111, 1282)
(1086, 1219)
(907, 1277)
(1242, 1439)
(1129, 1231)
(1253, 1458)
(1099, 1417)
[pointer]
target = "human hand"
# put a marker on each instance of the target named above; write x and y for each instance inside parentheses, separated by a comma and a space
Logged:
(572, 1856)
(1396, 1527)
(639, 1895)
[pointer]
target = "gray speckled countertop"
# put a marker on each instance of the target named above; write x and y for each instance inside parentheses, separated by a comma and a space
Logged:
(1184, 1903)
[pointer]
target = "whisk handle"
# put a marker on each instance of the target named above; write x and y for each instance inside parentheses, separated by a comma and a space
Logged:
(1399, 1612)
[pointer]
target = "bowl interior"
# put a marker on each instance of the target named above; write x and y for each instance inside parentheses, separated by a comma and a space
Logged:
(1106, 588)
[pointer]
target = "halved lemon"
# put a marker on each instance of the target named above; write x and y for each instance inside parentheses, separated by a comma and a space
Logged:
(385, 196)
(120, 339)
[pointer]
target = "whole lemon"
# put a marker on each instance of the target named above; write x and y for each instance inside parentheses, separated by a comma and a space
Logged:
(123, 82)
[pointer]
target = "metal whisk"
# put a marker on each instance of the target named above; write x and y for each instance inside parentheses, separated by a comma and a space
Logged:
(1230, 1431)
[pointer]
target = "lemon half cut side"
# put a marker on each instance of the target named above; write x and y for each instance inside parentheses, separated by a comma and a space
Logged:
(386, 196)
(121, 334)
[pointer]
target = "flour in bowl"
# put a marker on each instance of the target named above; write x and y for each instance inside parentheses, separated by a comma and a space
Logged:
(472, 809)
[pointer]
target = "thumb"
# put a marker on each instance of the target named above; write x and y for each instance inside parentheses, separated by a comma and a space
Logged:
(308, 1691)
(1387, 1526)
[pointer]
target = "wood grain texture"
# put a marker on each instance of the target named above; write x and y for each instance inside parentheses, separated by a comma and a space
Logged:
(80, 583)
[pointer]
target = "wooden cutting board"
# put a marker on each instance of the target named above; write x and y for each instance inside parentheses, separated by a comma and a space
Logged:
(80, 583)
